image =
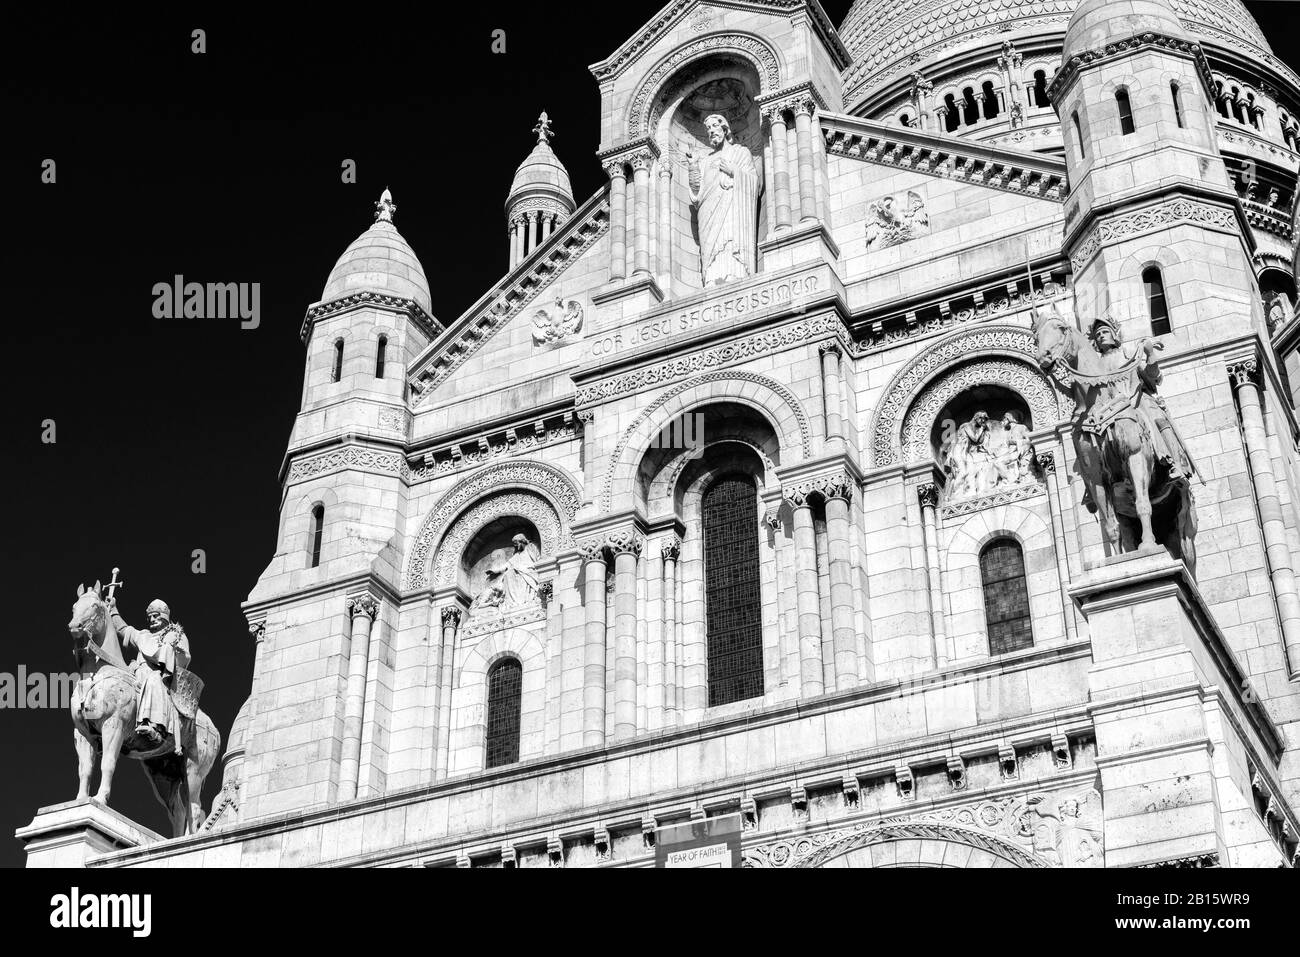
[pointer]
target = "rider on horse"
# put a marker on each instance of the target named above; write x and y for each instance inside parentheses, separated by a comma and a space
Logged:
(161, 651)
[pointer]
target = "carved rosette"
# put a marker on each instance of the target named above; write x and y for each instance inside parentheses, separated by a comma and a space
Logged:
(363, 605)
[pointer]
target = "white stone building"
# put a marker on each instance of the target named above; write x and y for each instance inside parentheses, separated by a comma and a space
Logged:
(751, 599)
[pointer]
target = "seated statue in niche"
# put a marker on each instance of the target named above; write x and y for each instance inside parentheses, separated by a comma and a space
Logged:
(724, 189)
(510, 583)
(979, 460)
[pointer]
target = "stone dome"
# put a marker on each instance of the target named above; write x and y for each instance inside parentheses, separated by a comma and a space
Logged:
(888, 39)
(379, 260)
(541, 175)
(1096, 23)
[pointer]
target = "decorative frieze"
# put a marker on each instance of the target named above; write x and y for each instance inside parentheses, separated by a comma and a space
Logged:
(409, 308)
(1173, 212)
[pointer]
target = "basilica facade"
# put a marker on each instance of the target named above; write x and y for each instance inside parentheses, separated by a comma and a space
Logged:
(751, 517)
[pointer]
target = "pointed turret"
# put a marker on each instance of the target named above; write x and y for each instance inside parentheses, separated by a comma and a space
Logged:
(540, 196)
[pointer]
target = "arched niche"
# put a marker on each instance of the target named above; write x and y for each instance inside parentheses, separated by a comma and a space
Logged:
(492, 545)
(722, 83)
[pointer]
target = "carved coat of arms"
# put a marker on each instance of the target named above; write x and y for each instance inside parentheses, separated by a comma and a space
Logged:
(889, 223)
(557, 322)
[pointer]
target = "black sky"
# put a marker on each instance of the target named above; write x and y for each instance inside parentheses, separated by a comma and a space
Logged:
(225, 167)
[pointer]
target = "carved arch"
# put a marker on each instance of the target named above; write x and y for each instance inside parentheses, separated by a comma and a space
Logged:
(758, 52)
(769, 398)
(1004, 351)
(530, 505)
(552, 483)
(973, 848)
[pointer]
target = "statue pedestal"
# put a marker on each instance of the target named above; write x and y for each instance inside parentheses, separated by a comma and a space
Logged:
(1167, 702)
(627, 299)
(804, 243)
(65, 835)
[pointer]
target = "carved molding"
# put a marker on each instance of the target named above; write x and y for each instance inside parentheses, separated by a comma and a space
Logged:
(899, 397)
(552, 482)
(536, 508)
(786, 396)
(642, 114)
(411, 309)
(1003, 496)
(1161, 216)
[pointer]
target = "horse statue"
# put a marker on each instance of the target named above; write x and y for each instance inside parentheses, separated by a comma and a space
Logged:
(1135, 468)
(104, 705)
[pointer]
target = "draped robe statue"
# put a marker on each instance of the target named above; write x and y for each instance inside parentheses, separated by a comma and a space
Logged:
(510, 583)
(724, 191)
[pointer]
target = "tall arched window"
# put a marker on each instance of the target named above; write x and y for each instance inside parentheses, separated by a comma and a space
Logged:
(951, 116)
(1040, 89)
(970, 108)
(505, 683)
(1177, 96)
(1125, 111)
(1006, 597)
(379, 357)
(1157, 307)
(990, 101)
(1078, 135)
(338, 360)
(317, 532)
(732, 602)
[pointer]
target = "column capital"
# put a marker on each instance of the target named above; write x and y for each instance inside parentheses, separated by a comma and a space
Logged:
(451, 616)
(628, 152)
(625, 542)
(1047, 462)
(831, 347)
(772, 519)
(928, 493)
(1243, 370)
(592, 549)
(834, 485)
(545, 591)
(362, 605)
(670, 549)
(803, 98)
(614, 169)
(640, 160)
(257, 629)
(586, 416)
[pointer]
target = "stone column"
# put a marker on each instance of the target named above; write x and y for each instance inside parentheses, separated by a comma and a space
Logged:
(656, 670)
(780, 166)
(617, 220)
(1047, 462)
(548, 224)
(665, 197)
(641, 239)
(451, 616)
(1245, 381)
(670, 552)
(593, 658)
(929, 497)
(831, 401)
(537, 229)
(838, 494)
(809, 603)
(512, 231)
(626, 549)
(362, 609)
(587, 417)
(804, 133)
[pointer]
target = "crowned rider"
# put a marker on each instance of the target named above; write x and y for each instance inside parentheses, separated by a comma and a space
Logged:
(160, 651)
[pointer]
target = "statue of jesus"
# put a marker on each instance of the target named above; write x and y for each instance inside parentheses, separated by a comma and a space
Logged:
(724, 191)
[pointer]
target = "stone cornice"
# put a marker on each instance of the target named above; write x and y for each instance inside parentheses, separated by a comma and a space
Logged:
(1104, 227)
(945, 157)
(427, 324)
(506, 299)
(1269, 218)
(632, 50)
(1177, 46)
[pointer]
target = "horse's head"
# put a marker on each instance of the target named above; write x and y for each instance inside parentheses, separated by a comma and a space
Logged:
(88, 613)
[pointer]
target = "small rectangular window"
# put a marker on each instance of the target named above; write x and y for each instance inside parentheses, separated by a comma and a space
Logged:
(317, 533)
(379, 357)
